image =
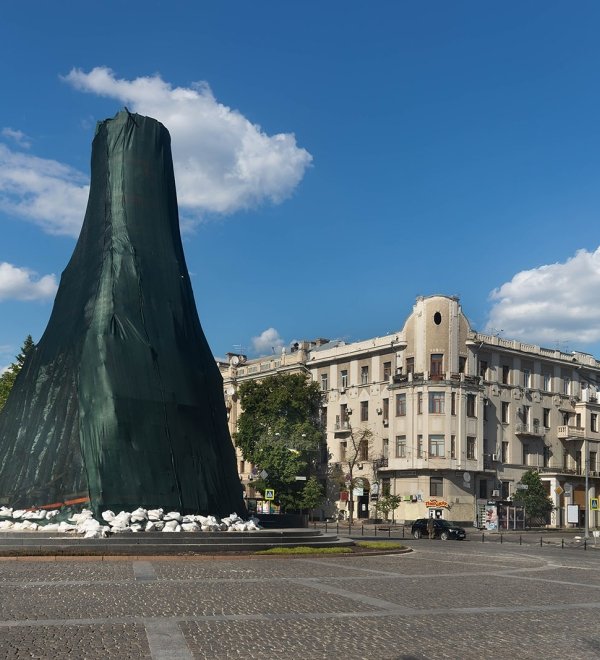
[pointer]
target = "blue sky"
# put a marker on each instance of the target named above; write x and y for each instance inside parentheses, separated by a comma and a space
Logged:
(333, 160)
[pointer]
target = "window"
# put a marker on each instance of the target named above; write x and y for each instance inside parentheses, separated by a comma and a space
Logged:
(594, 422)
(567, 385)
(364, 375)
(436, 486)
(452, 446)
(546, 417)
(504, 455)
(419, 403)
(526, 453)
(505, 412)
(436, 446)
(400, 446)
(400, 405)
(386, 409)
(470, 405)
(344, 414)
(436, 403)
(505, 489)
(324, 383)
(385, 450)
(344, 378)
(242, 467)
(546, 456)
(483, 367)
(410, 365)
(526, 416)
(363, 450)
(364, 411)
(343, 447)
(470, 448)
(483, 489)
(462, 363)
(436, 365)
(505, 374)
(387, 370)
(453, 403)
(593, 461)
(419, 446)
(386, 486)
(324, 417)
(526, 378)
(547, 383)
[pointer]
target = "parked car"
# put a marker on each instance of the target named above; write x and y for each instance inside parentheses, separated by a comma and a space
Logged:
(442, 529)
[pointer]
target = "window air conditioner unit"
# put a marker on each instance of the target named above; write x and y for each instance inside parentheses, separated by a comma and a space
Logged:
(349, 411)
(342, 390)
(379, 411)
(495, 457)
(495, 493)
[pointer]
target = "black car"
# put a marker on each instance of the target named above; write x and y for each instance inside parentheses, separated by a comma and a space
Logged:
(442, 529)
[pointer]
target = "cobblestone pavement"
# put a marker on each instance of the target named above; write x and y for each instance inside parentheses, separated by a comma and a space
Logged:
(444, 600)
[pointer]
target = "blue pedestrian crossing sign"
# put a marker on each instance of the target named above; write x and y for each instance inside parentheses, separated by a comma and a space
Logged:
(269, 494)
(594, 503)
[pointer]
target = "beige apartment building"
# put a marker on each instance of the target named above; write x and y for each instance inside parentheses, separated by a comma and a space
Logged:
(456, 416)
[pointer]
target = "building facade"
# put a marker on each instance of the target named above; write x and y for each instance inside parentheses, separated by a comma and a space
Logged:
(453, 417)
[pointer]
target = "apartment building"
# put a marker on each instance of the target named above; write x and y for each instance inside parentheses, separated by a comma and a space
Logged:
(455, 416)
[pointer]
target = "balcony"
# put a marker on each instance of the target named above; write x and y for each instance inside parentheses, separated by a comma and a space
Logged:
(342, 427)
(570, 433)
(531, 430)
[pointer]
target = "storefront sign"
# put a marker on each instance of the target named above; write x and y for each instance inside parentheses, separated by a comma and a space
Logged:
(437, 504)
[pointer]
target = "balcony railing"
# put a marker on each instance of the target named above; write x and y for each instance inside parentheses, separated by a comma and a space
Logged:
(570, 432)
(529, 429)
(342, 426)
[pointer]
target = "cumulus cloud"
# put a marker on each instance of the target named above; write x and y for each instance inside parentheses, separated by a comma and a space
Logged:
(23, 284)
(267, 341)
(17, 136)
(43, 191)
(553, 302)
(223, 162)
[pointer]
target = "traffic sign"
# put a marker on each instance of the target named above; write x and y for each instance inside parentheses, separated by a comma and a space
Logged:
(558, 490)
(269, 494)
(594, 504)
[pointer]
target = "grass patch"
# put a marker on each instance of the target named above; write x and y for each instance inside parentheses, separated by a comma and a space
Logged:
(304, 550)
(379, 545)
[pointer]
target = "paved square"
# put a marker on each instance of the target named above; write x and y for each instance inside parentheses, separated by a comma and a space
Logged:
(444, 600)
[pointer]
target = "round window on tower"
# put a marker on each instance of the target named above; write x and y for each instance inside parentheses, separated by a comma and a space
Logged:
(437, 318)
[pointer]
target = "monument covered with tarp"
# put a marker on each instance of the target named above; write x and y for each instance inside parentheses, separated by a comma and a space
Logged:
(121, 403)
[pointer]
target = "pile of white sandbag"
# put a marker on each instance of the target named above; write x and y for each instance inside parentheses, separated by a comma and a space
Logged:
(140, 520)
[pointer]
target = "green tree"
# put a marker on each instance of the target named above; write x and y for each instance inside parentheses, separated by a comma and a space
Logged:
(388, 503)
(7, 379)
(359, 445)
(312, 494)
(279, 431)
(534, 498)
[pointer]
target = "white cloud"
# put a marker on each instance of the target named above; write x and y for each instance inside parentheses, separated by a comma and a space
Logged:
(222, 161)
(4, 369)
(555, 302)
(22, 284)
(17, 136)
(267, 341)
(43, 191)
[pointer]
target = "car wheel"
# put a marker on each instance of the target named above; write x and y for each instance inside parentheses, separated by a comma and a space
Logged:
(444, 536)
(417, 533)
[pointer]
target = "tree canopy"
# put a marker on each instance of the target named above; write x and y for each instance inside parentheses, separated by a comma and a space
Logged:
(534, 498)
(279, 431)
(7, 379)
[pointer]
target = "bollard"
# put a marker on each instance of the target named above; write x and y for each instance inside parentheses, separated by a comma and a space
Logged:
(402, 531)
(389, 531)
(325, 527)
(585, 544)
(362, 530)
(482, 537)
(541, 541)
(501, 541)
(520, 540)
(562, 544)
(375, 530)
(337, 527)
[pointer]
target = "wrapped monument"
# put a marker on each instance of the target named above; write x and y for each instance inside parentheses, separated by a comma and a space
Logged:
(121, 403)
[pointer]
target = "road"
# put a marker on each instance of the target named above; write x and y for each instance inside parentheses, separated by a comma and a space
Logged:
(444, 600)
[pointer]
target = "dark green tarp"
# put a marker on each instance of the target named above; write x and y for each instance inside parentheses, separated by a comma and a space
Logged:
(122, 401)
